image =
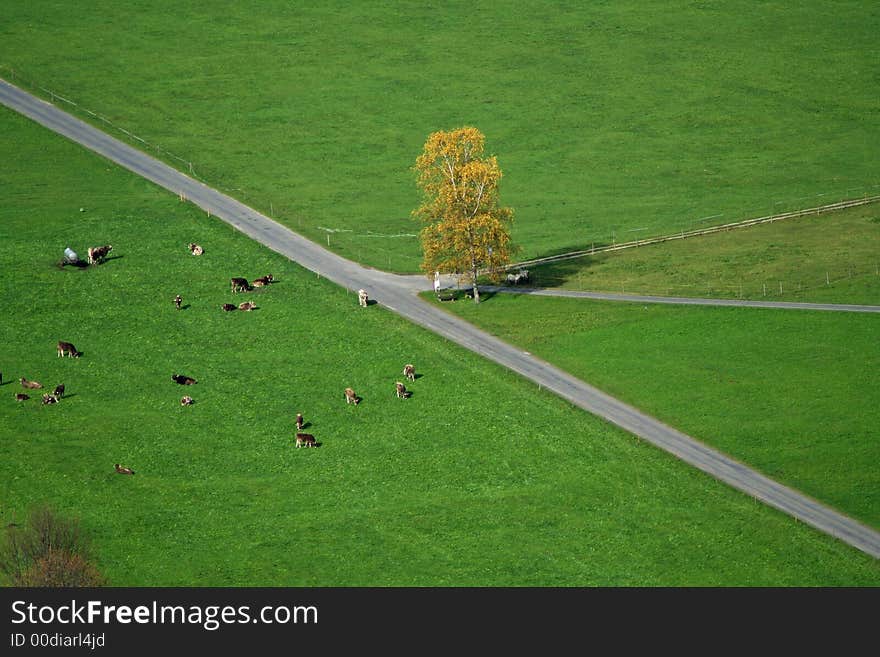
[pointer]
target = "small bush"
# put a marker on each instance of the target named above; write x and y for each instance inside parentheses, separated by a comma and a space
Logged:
(47, 551)
(61, 568)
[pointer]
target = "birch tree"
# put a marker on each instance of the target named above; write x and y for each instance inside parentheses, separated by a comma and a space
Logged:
(465, 229)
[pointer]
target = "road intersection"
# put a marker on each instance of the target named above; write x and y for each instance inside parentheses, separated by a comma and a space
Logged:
(399, 293)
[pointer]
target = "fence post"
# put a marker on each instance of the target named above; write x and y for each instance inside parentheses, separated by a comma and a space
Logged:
(780, 287)
(765, 289)
(827, 279)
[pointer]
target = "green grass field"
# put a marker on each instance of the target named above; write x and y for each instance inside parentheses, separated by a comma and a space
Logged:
(479, 479)
(791, 393)
(830, 258)
(610, 120)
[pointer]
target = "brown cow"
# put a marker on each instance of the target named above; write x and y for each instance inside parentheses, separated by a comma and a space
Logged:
(121, 470)
(32, 385)
(67, 349)
(401, 390)
(59, 391)
(306, 439)
(351, 398)
(186, 401)
(195, 249)
(183, 380)
(20, 396)
(240, 285)
(97, 254)
(299, 422)
(177, 301)
(229, 306)
(247, 305)
(409, 371)
(263, 280)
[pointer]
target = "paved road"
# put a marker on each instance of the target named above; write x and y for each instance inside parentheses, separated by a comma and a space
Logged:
(686, 301)
(398, 294)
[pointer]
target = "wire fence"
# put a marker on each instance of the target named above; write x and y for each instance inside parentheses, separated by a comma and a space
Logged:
(57, 97)
(742, 287)
(865, 197)
(340, 239)
(687, 228)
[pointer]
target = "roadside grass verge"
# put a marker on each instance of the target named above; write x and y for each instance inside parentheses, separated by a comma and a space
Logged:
(791, 393)
(478, 479)
(830, 258)
(610, 121)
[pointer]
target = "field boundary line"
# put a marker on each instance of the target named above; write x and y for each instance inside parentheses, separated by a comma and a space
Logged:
(684, 234)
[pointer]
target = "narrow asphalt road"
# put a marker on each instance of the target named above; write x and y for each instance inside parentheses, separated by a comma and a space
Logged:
(398, 293)
(681, 301)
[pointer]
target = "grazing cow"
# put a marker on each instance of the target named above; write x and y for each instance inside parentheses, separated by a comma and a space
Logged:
(97, 254)
(50, 399)
(186, 401)
(195, 249)
(229, 306)
(306, 439)
(20, 396)
(409, 371)
(247, 305)
(240, 285)
(402, 392)
(363, 299)
(67, 349)
(183, 380)
(263, 280)
(177, 301)
(59, 391)
(351, 398)
(299, 422)
(121, 470)
(31, 385)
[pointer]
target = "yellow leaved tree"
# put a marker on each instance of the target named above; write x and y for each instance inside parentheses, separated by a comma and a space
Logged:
(465, 230)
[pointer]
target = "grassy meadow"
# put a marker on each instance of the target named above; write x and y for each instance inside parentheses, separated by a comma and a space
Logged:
(478, 479)
(791, 393)
(829, 258)
(611, 120)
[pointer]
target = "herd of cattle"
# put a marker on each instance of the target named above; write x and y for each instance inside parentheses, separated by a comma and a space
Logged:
(64, 349)
(97, 255)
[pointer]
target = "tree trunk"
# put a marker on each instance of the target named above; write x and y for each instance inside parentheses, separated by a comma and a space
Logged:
(476, 289)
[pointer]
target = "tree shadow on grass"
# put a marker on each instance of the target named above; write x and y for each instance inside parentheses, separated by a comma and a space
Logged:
(556, 274)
